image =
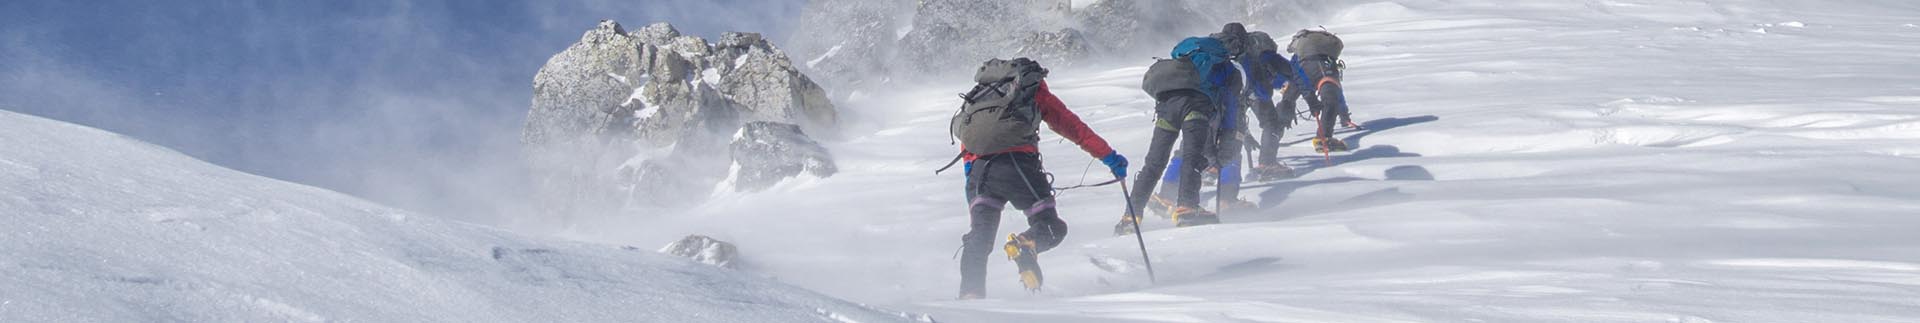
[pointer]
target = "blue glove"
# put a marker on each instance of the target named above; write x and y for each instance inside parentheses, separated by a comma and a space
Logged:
(1116, 163)
(966, 169)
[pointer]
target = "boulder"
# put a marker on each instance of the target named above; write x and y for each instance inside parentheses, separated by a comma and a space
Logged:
(765, 153)
(621, 120)
(706, 250)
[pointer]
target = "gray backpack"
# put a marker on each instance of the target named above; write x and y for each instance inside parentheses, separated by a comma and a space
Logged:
(1260, 42)
(1309, 43)
(1167, 77)
(999, 113)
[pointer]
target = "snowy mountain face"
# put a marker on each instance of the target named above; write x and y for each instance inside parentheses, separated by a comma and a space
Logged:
(102, 228)
(1538, 161)
(855, 45)
(1542, 161)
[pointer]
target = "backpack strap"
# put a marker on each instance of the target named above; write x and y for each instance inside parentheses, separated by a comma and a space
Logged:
(950, 163)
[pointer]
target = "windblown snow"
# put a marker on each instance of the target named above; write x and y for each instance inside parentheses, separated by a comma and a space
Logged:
(1537, 161)
(1523, 161)
(104, 228)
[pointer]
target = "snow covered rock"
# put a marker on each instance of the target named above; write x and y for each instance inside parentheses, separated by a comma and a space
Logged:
(1119, 25)
(703, 249)
(962, 33)
(859, 44)
(765, 153)
(847, 43)
(620, 119)
(767, 87)
(102, 228)
(1062, 48)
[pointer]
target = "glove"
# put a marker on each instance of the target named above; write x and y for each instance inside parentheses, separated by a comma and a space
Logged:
(966, 168)
(1116, 163)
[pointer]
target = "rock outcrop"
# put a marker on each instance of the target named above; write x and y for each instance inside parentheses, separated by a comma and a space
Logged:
(706, 250)
(765, 153)
(623, 120)
(941, 39)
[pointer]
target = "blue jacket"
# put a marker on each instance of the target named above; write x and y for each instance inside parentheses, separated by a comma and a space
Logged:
(1280, 79)
(1226, 80)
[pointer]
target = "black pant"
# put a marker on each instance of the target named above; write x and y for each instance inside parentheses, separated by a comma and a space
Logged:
(995, 181)
(1323, 72)
(1273, 128)
(1323, 92)
(1189, 116)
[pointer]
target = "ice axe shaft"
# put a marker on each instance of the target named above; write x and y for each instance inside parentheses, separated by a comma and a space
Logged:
(1128, 194)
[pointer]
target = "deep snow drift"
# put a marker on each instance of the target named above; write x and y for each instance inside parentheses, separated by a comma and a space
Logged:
(103, 228)
(1539, 161)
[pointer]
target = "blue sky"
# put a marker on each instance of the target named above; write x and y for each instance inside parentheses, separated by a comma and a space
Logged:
(413, 103)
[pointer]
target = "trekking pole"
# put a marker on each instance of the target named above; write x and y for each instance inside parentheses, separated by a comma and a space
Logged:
(1127, 194)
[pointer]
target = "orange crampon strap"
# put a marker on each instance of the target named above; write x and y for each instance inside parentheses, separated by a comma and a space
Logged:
(1324, 81)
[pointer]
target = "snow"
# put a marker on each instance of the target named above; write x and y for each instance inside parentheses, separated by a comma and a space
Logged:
(1081, 4)
(647, 108)
(639, 95)
(1551, 161)
(1539, 161)
(710, 76)
(104, 228)
(823, 57)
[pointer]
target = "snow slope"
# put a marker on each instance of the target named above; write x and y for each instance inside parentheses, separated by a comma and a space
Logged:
(1536, 161)
(100, 227)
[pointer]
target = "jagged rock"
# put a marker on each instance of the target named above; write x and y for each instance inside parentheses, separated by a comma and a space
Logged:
(703, 249)
(847, 43)
(766, 85)
(623, 120)
(1056, 49)
(765, 153)
(950, 33)
(942, 39)
(1135, 25)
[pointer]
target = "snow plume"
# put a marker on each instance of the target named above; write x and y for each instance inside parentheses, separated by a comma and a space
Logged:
(936, 39)
(417, 104)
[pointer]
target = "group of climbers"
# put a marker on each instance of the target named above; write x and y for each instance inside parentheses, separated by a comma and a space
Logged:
(1201, 94)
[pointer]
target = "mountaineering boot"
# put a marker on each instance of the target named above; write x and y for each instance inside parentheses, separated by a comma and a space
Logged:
(1271, 172)
(1344, 121)
(1326, 145)
(1021, 251)
(1161, 205)
(1125, 227)
(1236, 205)
(1187, 216)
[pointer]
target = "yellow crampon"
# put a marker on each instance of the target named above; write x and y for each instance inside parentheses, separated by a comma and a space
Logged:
(1187, 216)
(1020, 250)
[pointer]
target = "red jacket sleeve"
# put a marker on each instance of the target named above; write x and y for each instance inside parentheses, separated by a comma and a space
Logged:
(1067, 124)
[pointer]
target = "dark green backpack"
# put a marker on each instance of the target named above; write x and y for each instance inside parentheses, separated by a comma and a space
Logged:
(1316, 42)
(999, 113)
(1259, 42)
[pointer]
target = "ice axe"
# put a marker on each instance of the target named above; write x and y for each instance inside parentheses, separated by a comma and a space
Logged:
(1127, 194)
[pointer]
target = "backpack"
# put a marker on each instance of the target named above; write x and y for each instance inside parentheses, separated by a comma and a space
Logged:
(1261, 43)
(1312, 42)
(1193, 59)
(999, 113)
